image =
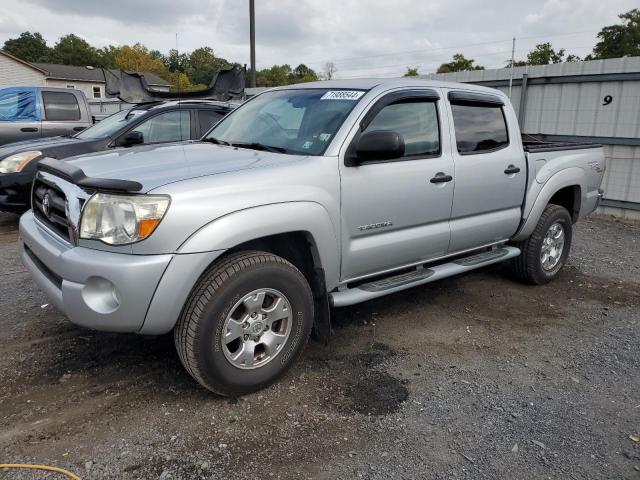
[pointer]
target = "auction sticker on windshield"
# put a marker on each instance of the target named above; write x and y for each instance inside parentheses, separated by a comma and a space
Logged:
(342, 95)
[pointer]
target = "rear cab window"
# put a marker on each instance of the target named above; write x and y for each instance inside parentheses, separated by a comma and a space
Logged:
(479, 123)
(60, 107)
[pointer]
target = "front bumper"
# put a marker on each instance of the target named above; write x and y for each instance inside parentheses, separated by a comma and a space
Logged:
(15, 189)
(94, 289)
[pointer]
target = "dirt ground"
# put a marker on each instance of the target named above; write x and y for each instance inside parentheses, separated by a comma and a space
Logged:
(471, 377)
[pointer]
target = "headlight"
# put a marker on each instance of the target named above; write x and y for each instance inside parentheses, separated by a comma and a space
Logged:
(15, 163)
(122, 219)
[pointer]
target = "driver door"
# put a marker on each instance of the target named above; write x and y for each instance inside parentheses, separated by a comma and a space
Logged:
(393, 212)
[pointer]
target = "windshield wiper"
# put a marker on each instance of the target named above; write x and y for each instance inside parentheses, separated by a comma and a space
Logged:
(260, 146)
(216, 141)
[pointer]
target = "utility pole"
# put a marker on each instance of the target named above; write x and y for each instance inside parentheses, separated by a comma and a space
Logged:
(252, 40)
(513, 59)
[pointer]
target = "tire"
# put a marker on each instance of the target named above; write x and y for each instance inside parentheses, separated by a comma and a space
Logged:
(225, 295)
(528, 267)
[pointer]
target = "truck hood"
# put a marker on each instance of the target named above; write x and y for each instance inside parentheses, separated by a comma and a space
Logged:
(155, 166)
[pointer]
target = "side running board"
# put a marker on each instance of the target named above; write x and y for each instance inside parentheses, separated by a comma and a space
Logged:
(420, 276)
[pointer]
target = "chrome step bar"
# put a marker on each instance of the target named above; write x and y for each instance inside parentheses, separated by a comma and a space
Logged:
(419, 276)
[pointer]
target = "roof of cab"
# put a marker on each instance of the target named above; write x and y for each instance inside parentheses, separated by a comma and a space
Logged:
(370, 83)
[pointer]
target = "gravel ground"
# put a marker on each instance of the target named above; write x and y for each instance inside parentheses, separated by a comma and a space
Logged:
(471, 377)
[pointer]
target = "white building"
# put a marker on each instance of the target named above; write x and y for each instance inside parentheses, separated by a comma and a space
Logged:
(16, 72)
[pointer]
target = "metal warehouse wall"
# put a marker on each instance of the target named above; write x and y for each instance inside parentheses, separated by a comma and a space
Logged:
(595, 101)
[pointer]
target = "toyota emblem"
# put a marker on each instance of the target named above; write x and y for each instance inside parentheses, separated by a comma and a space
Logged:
(46, 204)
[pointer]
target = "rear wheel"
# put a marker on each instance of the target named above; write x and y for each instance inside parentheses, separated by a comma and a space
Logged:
(545, 252)
(245, 323)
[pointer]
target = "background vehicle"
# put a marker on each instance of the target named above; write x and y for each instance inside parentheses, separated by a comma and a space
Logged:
(39, 112)
(151, 123)
(305, 197)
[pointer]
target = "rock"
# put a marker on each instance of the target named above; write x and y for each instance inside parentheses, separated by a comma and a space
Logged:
(88, 465)
(164, 475)
(539, 444)
(514, 449)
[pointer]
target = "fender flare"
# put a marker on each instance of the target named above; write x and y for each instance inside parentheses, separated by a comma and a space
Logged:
(565, 178)
(252, 223)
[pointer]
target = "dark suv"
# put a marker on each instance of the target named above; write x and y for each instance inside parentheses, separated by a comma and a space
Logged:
(150, 123)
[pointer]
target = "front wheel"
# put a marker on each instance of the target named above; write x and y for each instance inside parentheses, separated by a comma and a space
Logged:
(545, 252)
(245, 323)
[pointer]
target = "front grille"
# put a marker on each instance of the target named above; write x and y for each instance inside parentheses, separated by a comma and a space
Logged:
(49, 206)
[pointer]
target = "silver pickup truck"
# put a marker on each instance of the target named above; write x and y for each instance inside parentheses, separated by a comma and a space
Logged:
(306, 197)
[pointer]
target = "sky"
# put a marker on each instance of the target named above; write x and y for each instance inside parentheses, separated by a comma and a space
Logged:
(378, 38)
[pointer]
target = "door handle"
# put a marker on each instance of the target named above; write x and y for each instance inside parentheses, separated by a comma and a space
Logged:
(78, 129)
(29, 129)
(511, 169)
(441, 178)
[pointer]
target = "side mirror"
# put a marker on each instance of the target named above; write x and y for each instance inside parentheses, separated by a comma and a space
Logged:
(379, 145)
(131, 138)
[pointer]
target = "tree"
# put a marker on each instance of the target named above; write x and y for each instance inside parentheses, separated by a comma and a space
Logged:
(274, 76)
(137, 58)
(329, 71)
(203, 64)
(73, 50)
(544, 54)
(106, 56)
(302, 73)
(411, 72)
(620, 40)
(30, 47)
(459, 64)
(176, 61)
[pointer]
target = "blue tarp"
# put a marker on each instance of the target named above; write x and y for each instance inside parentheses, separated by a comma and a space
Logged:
(20, 104)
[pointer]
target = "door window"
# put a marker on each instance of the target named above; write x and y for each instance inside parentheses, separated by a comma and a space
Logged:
(416, 121)
(166, 127)
(207, 119)
(61, 107)
(19, 103)
(479, 129)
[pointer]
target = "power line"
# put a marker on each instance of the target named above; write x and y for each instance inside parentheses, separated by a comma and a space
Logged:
(482, 55)
(316, 62)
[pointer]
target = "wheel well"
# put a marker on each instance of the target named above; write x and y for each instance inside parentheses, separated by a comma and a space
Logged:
(569, 198)
(296, 247)
(300, 249)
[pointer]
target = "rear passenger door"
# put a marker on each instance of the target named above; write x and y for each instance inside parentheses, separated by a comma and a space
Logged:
(490, 170)
(61, 114)
(396, 212)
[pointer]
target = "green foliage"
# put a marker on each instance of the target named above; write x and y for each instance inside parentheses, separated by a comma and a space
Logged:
(185, 71)
(412, 72)
(620, 40)
(284, 75)
(459, 64)
(106, 56)
(30, 47)
(73, 50)
(203, 64)
(544, 54)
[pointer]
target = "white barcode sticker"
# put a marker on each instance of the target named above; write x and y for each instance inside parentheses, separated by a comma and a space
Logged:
(342, 95)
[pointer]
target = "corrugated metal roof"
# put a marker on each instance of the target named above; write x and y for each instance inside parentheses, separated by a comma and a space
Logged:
(591, 67)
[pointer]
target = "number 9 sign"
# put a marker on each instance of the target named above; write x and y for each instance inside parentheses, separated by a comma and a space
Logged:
(607, 100)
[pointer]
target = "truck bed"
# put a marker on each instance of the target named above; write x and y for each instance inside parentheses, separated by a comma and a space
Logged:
(533, 145)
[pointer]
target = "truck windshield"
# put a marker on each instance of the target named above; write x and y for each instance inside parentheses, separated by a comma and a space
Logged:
(297, 121)
(109, 125)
